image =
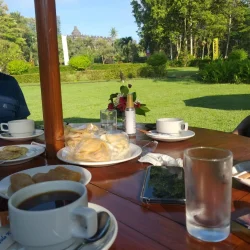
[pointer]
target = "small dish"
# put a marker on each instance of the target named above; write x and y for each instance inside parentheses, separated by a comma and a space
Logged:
(33, 151)
(5, 190)
(8, 137)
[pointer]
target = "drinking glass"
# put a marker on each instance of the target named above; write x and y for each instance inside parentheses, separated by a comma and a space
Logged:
(208, 185)
(108, 119)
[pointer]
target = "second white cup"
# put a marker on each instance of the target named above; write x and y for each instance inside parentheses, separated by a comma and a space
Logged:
(171, 125)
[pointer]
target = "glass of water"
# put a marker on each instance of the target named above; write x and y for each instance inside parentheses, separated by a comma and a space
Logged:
(208, 185)
(108, 119)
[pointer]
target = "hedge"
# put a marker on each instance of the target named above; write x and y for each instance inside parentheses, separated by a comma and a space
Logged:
(120, 66)
(28, 78)
(130, 71)
(63, 68)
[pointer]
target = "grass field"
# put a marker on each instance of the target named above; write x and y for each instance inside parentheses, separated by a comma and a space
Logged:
(214, 106)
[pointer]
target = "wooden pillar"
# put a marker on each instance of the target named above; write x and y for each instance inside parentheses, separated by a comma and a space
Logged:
(46, 25)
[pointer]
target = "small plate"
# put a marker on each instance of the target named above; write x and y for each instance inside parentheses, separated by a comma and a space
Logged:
(103, 244)
(5, 190)
(239, 169)
(184, 135)
(33, 151)
(134, 150)
(8, 137)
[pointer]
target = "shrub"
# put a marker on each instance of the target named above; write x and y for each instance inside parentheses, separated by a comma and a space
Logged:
(226, 71)
(202, 63)
(140, 59)
(185, 58)
(158, 63)
(157, 59)
(238, 54)
(80, 62)
(17, 67)
(174, 63)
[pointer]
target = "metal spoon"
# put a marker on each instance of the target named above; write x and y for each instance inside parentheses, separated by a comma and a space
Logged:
(103, 219)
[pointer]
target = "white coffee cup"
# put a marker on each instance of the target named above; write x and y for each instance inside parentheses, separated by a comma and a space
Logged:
(53, 229)
(19, 128)
(171, 125)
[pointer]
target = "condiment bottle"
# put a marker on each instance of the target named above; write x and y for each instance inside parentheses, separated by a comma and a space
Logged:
(130, 123)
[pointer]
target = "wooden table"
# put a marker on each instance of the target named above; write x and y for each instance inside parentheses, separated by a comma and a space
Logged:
(143, 226)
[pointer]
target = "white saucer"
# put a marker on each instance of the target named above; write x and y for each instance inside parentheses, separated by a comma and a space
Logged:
(184, 135)
(8, 137)
(103, 244)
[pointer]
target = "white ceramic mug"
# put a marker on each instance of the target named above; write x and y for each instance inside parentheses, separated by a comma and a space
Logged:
(19, 128)
(51, 229)
(170, 125)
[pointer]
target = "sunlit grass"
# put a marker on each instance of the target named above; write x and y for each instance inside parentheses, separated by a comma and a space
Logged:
(219, 106)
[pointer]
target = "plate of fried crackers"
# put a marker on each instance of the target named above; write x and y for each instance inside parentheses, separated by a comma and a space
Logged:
(19, 180)
(17, 154)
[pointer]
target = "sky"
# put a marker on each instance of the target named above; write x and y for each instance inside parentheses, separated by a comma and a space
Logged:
(92, 17)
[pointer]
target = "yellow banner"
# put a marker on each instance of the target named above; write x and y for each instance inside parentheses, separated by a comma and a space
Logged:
(215, 48)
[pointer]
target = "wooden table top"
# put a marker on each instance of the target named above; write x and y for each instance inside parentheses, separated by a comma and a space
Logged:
(156, 226)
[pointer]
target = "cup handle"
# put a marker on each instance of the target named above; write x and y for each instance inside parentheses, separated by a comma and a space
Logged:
(184, 126)
(4, 124)
(85, 222)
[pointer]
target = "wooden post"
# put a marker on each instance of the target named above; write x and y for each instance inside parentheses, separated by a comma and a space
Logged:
(46, 25)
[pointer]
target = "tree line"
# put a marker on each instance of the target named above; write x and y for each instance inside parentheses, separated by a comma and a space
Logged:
(188, 27)
(18, 41)
(105, 49)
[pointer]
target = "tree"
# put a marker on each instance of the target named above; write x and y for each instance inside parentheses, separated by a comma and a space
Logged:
(9, 51)
(125, 44)
(58, 25)
(27, 29)
(11, 39)
(104, 49)
(189, 26)
(8, 27)
(113, 34)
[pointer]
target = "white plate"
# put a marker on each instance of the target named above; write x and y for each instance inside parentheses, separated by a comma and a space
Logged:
(33, 151)
(184, 135)
(103, 244)
(8, 137)
(239, 169)
(134, 152)
(6, 192)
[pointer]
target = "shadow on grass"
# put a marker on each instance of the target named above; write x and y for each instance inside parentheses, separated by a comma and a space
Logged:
(184, 80)
(223, 102)
(179, 75)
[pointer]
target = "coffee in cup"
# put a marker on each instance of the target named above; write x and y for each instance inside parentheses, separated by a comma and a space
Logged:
(51, 215)
(19, 128)
(170, 125)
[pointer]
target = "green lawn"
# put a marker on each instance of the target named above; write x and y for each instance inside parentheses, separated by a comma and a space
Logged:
(215, 106)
